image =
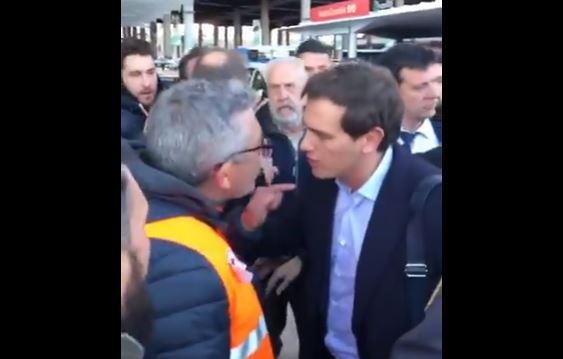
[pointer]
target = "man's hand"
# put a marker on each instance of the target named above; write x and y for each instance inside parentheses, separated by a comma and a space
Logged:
(263, 201)
(269, 170)
(284, 275)
(263, 267)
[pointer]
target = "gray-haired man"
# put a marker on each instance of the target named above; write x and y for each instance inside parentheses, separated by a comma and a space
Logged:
(204, 147)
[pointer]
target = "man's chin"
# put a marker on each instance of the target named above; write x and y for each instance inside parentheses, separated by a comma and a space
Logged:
(430, 113)
(146, 100)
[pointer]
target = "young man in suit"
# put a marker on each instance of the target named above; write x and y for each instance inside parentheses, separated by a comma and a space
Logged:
(418, 71)
(352, 216)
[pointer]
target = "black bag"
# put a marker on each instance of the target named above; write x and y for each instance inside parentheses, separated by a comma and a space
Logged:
(416, 269)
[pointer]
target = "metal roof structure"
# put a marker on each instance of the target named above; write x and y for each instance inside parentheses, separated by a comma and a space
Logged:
(408, 21)
(217, 12)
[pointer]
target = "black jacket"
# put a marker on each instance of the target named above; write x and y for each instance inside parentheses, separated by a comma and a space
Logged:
(132, 116)
(381, 313)
(433, 156)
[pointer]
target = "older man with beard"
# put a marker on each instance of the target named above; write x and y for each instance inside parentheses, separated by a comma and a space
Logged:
(136, 309)
(279, 264)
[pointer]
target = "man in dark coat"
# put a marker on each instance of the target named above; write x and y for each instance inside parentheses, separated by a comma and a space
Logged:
(139, 86)
(352, 217)
(196, 315)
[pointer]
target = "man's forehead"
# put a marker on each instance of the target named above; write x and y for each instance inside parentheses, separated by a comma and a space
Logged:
(138, 62)
(283, 74)
(314, 57)
(415, 75)
(332, 114)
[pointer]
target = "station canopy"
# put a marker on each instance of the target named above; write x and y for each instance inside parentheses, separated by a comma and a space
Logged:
(217, 12)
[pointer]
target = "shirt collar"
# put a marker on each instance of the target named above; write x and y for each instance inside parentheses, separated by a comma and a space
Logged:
(370, 189)
(425, 129)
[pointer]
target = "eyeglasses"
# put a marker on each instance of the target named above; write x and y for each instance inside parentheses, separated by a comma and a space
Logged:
(265, 149)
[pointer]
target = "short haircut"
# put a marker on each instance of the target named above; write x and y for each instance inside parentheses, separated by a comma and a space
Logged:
(194, 126)
(125, 222)
(369, 94)
(302, 74)
(234, 66)
(194, 53)
(410, 56)
(314, 46)
(132, 46)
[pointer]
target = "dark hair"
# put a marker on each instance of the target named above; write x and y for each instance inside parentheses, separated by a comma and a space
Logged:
(233, 67)
(314, 46)
(410, 56)
(194, 53)
(132, 46)
(369, 94)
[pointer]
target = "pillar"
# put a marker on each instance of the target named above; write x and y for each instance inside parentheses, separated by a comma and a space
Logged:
(226, 37)
(238, 27)
(188, 25)
(166, 32)
(280, 37)
(305, 10)
(215, 35)
(153, 38)
(143, 33)
(265, 21)
(352, 44)
(135, 33)
(286, 37)
(200, 35)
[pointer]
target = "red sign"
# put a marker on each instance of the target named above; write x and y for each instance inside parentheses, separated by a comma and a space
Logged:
(340, 10)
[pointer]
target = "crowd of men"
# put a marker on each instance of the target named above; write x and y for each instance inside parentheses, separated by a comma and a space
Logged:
(325, 196)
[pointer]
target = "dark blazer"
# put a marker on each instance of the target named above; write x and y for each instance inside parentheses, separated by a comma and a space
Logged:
(433, 156)
(381, 312)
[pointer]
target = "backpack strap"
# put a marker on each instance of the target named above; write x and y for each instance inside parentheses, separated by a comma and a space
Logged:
(416, 269)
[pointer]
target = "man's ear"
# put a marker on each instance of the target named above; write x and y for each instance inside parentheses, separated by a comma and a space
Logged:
(221, 176)
(372, 139)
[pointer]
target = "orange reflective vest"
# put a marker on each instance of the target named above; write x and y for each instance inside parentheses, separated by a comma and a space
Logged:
(248, 332)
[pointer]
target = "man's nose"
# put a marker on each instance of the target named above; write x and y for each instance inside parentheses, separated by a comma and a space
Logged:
(435, 90)
(146, 81)
(306, 145)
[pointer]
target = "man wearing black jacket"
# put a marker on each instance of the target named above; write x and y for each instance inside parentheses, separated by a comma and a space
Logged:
(139, 86)
(282, 123)
(353, 216)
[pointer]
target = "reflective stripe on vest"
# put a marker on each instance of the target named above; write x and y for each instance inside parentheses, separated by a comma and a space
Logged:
(248, 333)
(248, 347)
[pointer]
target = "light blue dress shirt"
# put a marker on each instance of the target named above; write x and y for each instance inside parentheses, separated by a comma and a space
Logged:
(351, 217)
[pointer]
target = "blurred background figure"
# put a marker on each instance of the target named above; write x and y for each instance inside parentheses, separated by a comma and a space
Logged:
(136, 309)
(187, 63)
(315, 55)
